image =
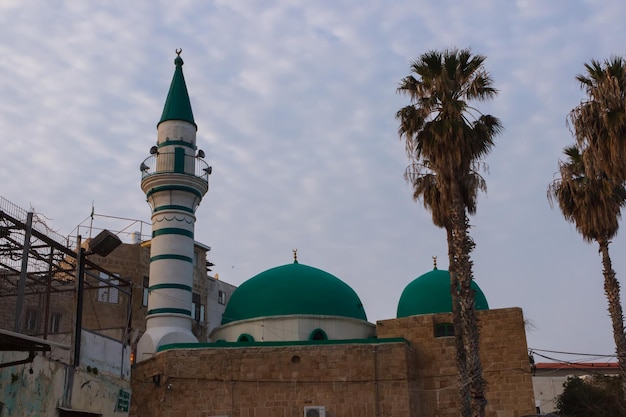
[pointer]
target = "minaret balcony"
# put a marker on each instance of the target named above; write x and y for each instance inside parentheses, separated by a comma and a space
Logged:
(175, 163)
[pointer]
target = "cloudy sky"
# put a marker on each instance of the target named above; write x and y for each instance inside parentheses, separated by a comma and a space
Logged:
(295, 104)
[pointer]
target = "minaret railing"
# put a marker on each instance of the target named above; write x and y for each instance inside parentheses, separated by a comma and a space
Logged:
(171, 163)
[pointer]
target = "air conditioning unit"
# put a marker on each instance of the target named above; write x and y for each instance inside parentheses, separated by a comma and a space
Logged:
(315, 411)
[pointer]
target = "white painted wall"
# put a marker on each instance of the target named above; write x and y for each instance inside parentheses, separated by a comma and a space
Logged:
(294, 328)
(39, 388)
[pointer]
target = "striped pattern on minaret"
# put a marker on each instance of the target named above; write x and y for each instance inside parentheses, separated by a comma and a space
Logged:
(174, 179)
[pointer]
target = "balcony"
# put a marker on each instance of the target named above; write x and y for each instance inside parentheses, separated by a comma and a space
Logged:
(175, 163)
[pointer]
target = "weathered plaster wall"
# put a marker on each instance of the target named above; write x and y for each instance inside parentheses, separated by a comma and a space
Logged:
(39, 388)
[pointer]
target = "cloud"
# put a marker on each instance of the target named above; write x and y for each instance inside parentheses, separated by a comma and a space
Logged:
(295, 105)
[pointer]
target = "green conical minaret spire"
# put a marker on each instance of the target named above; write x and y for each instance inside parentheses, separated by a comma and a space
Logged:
(177, 106)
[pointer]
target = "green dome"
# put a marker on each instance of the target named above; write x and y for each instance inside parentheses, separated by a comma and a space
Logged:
(430, 293)
(293, 289)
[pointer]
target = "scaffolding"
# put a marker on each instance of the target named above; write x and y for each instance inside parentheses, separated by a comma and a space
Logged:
(38, 274)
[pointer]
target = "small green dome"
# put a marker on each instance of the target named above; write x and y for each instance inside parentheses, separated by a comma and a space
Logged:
(430, 293)
(293, 289)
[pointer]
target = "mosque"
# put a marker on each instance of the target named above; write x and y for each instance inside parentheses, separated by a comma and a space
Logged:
(295, 340)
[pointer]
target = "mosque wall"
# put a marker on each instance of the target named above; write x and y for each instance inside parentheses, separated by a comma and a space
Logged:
(504, 358)
(349, 380)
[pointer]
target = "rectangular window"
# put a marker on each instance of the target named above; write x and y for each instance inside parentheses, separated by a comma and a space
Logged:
(221, 297)
(107, 293)
(123, 402)
(146, 285)
(55, 322)
(444, 330)
(32, 320)
(196, 307)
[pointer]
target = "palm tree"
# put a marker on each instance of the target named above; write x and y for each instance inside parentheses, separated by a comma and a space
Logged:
(593, 202)
(599, 122)
(599, 127)
(445, 140)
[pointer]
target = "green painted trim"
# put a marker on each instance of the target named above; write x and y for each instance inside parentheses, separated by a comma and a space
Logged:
(169, 310)
(248, 338)
(221, 344)
(173, 188)
(170, 286)
(179, 160)
(172, 231)
(172, 256)
(177, 142)
(173, 207)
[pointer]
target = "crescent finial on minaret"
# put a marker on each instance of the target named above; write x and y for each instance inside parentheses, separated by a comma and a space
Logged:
(179, 51)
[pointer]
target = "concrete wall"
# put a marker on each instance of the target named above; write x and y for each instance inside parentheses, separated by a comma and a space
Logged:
(107, 355)
(216, 307)
(38, 389)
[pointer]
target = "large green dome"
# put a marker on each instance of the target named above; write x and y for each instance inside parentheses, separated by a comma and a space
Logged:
(293, 289)
(430, 293)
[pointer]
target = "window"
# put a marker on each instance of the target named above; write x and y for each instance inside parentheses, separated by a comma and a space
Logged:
(146, 286)
(318, 334)
(55, 322)
(197, 308)
(221, 297)
(123, 402)
(32, 320)
(444, 330)
(245, 338)
(107, 293)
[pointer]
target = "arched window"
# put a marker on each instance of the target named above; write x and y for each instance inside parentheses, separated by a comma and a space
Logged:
(318, 334)
(245, 338)
(444, 330)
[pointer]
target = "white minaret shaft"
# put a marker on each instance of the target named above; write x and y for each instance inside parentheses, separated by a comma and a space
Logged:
(174, 179)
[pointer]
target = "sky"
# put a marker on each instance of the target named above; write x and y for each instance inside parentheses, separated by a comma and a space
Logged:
(295, 104)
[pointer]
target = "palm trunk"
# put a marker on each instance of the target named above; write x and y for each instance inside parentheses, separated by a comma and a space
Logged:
(612, 291)
(459, 339)
(467, 336)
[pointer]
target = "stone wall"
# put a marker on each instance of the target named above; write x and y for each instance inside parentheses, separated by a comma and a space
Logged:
(350, 380)
(504, 358)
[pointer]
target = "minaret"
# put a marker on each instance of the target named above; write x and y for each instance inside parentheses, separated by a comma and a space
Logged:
(174, 178)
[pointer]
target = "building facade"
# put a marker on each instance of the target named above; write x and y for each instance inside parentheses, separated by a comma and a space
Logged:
(295, 340)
